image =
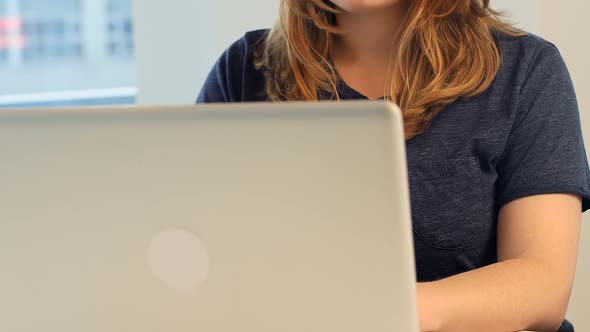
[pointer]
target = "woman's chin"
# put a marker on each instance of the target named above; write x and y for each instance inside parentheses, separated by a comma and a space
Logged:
(364, 6)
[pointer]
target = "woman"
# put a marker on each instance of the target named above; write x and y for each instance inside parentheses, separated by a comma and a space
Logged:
(498, 171)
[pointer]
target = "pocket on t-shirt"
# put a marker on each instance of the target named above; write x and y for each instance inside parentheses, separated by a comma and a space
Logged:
(446, 197)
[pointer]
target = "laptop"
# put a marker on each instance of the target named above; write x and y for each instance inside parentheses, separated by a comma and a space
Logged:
(238, 217)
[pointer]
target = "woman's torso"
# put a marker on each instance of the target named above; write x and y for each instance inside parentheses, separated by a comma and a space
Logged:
(452, 166)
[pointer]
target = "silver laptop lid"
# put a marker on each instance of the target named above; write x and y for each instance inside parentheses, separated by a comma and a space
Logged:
(252, 217)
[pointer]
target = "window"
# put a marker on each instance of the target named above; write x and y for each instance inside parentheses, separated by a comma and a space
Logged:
(52, 32)
(120, 29)
(5, 27)
(66, 52)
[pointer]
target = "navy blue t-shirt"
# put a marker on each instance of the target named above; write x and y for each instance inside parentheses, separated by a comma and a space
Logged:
(521, 137)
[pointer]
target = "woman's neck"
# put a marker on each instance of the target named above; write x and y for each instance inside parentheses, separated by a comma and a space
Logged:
(361, 54)
(368, 36)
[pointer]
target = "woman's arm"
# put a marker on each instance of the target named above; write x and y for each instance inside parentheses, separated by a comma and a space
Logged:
(531, 285)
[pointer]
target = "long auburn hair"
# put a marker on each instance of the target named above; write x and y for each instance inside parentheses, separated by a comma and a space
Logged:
(445, 50)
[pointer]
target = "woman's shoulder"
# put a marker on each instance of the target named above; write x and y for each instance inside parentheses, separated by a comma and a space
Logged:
(524, 40)
(523, 51)
(234, 77)
(245, 47)
(255, 37)
(528, 60)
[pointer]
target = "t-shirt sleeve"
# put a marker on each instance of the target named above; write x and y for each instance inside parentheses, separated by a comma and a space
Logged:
(545, 151)
(223, 83)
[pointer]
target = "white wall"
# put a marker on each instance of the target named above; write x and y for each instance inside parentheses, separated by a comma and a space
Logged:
(525, 13)
(243, 17)
(174, 41)
(178, 41)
